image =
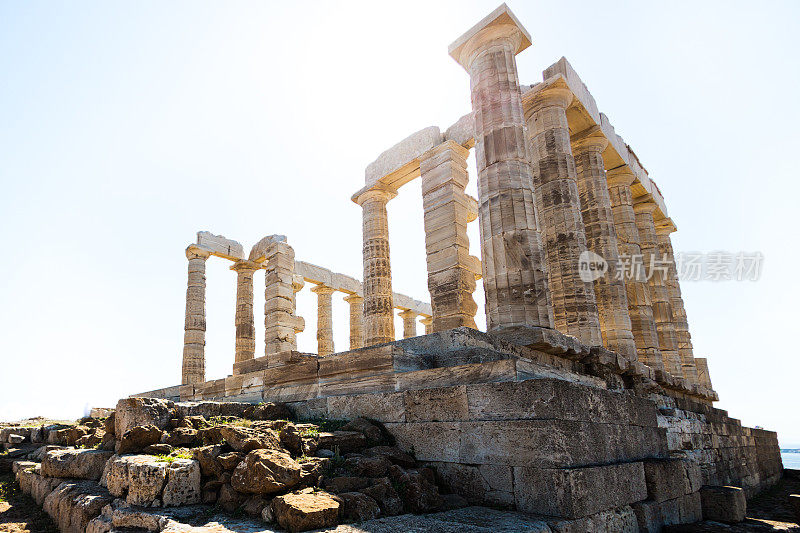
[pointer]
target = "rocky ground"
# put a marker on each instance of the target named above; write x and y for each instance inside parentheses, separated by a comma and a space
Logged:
(219, 468)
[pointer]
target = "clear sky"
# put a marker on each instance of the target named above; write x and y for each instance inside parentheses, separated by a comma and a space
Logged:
(125, 127)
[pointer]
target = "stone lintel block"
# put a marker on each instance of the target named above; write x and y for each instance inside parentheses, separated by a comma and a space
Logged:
(723, 504)
(578, 492)
(220, 246)
(500, 23)
(462, 131)
(400, 163)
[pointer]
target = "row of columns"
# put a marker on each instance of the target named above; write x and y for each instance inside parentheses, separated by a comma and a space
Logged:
(281, 323)
(547, 202)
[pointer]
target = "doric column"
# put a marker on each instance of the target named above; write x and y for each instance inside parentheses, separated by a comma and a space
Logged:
(356, 320)
(451, 270)
(280, 322)
(512, 258)
(681, 325)
(427, 321)
(409, 323)
(659, 297)
(245, 327)
(559, 211)
(601, 238)
(194, 336)
(640, 310)
(378, 306)
(324, 319)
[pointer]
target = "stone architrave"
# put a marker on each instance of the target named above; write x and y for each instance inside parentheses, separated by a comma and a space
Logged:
(280, 322)
(632, 269)
(409, 317)
(324, 319)
(356, 320)
(690, 372)
(512, 257)
(559, 210)
(245, 326)
(194, 337)
(427, 321)
(378, 303)
(656, 270)
(451, 270)
(601, 239)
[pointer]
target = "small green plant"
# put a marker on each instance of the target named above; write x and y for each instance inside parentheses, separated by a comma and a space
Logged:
(182, 454)
(165, 459)
(309, 432)
(221, 420)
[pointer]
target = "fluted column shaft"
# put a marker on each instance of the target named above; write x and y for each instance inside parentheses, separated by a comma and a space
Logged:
(409, 323)
(601, 238)
(356, 320)
(451, 270)
(193, 369)
(245, 326)
(559, 210)
(512, 257)
(659, 297)
(640, 310)
(324, 319)
(378, 302)
(679, 320)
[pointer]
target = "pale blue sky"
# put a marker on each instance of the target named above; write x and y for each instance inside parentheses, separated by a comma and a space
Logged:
(127, 127)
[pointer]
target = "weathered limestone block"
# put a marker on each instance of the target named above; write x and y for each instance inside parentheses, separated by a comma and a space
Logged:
(601, 239)
(133, 412)
(640, 307)
(577, 492)
(72, 505)
(220, 245)
(306, 510)
(666, 479)
(324, 319)
(559, 211)
(144, 480)
(75, 464)
(378, 302)
(356, 303)
(245, 325)
(194, 369)
(657, 284)
(512, 257)
(620, 520)
(451, 279)
(265, 472)
(479, 484)
(723, 504)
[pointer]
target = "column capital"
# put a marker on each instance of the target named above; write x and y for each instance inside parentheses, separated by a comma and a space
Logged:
(353, 298)
(589, 140)
(245, 266)
(323, 289)
(426, 320)
(553, 95)
(195, 251)
(620, 176)
(499, 27)
(410, 313)
(644, 204)
(379, 192)
(448, 145)
(665, 226)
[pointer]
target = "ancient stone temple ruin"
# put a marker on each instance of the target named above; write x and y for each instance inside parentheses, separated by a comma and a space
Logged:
(583, 401)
